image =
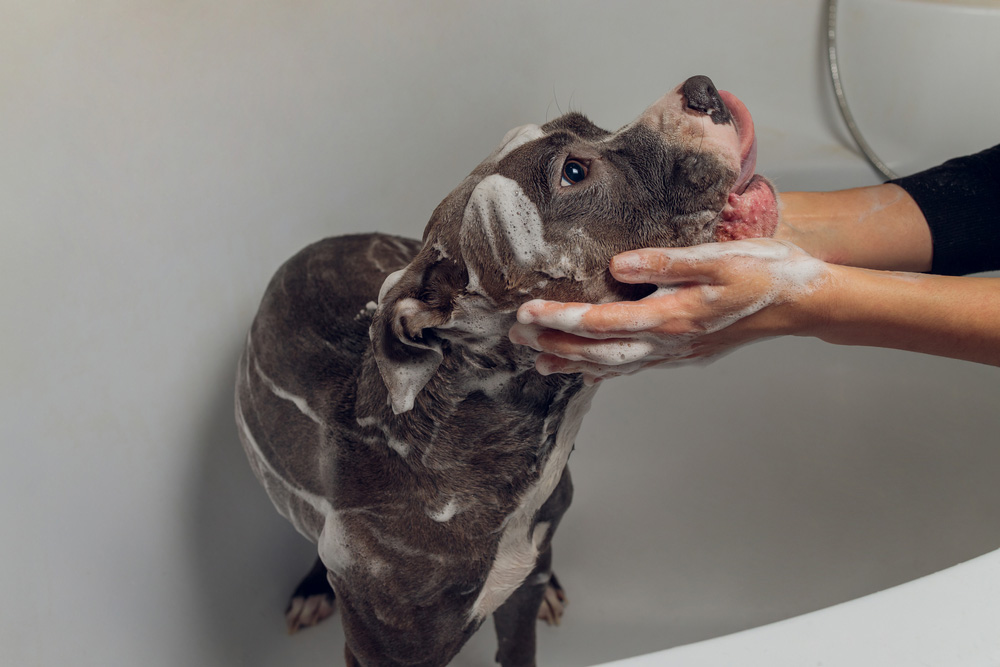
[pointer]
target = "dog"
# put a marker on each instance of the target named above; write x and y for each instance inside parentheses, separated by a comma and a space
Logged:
(393, 423)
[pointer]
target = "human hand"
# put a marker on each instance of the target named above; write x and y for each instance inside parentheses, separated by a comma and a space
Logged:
(710, 299)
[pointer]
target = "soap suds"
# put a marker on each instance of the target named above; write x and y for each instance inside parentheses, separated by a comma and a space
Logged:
(446, 513)
(504, 213)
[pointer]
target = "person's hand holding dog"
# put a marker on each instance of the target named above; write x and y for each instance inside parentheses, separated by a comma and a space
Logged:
(857, 287)
(709, 299)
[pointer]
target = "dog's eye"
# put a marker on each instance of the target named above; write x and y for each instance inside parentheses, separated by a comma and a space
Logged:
(573, 172)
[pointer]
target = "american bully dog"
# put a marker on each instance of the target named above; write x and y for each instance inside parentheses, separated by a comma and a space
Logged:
(393, 423)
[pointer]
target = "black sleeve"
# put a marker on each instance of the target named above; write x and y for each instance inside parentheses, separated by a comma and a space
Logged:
(961, 201)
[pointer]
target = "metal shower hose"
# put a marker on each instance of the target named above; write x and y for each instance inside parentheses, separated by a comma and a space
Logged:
(838, 89)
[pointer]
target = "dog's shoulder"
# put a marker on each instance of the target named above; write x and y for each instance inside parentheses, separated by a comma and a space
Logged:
(337, 277)
(323, 297)
(308, 339)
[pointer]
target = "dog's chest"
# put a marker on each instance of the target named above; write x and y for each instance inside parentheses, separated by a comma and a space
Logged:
(522, 538)
(419, 549)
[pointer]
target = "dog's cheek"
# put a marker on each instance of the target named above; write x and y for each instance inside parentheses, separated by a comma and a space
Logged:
(699, 182)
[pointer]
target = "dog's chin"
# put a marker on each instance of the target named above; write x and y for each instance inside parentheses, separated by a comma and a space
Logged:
(752, 213)
(604, 290)
(617, 291)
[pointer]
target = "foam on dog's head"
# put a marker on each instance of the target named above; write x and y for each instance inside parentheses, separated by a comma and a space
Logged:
(499, 211)
(502, 230)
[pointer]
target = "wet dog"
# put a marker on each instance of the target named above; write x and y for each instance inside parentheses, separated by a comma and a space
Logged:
(393, 423)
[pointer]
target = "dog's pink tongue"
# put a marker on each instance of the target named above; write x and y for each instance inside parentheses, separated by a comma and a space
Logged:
(752, 210)
(747, 137)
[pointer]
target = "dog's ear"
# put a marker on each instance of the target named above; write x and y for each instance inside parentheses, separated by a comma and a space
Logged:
(412, 303)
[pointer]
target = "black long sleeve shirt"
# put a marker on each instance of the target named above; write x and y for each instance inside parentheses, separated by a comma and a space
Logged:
(961, 201)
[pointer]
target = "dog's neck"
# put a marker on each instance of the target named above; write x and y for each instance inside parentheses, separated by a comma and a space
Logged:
(486, 392)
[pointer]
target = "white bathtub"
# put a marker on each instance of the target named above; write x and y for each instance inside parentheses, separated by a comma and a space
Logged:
(158, 162)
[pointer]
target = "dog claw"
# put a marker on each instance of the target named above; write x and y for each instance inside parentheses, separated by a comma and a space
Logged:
(305, 612)
(554, 603)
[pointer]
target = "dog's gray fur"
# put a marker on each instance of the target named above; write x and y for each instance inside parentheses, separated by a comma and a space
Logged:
(393, 423)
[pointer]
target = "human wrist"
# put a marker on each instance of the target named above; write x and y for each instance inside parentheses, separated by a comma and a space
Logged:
(813, 312)
(856, 306)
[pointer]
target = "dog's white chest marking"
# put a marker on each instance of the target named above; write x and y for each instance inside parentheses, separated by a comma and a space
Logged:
(519, 543)
(332, 544)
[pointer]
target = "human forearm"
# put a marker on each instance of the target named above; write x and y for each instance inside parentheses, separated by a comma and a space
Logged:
(878, 227)
(940, 315)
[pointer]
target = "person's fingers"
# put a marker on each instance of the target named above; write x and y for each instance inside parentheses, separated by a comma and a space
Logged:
(553, 314)
(658, 266)
(548, 364)
(600, 320)
(612, 351)
(674, 266)
(594, 373)
(708, 263)
(541, 340)
(591, 320)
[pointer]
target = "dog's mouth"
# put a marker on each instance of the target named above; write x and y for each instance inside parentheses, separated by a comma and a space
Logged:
(751, 210)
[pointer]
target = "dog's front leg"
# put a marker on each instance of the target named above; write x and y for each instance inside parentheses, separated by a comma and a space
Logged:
(349, 659)
(515, 619)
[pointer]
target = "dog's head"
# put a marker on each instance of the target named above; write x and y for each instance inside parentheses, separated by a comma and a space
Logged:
(542, 216)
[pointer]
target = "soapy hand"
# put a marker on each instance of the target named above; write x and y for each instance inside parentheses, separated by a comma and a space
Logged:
(709, 299)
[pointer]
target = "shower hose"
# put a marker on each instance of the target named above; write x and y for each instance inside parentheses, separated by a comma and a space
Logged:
(838, 89)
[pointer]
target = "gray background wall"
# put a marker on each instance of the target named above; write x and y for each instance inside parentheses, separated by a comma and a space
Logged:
(158, 160)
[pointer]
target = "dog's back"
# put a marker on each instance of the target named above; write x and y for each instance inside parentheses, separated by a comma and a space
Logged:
(309, 338)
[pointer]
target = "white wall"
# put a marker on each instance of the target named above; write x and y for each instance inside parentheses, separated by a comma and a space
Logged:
(159, 159)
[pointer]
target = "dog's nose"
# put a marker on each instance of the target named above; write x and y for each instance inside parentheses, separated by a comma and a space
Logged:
(701, 95)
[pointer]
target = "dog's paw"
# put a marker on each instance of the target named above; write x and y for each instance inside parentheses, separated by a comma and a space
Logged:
(312, 601)
(553, 603)
(305, 612)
